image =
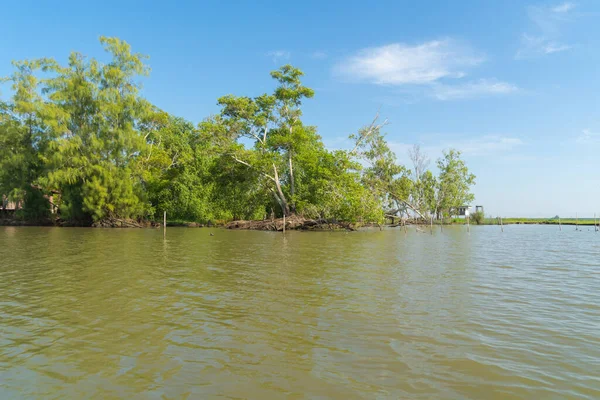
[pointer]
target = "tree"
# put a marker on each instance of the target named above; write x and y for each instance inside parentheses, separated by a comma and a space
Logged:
(95, 111)
(289, 95)
(177, 169)
(23, 140)
(82, 130)
(453, 184)
(388, 181)
(420, 163)
(273, 123)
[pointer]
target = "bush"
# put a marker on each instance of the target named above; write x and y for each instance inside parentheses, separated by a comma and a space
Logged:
(478, 217)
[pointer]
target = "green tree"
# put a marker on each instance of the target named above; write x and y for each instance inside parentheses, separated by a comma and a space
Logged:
(388, 181)
(23, 140)
(95, 111)
(273, 123)
(176, 169)
(289, 95)
(453, 184)
(84, 131)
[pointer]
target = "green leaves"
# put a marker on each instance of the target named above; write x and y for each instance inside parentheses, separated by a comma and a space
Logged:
(83, 132)
(80, 129)
(454, 182)
(394, 187)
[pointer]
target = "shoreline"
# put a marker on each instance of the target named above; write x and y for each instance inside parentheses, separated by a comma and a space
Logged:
(291, 223)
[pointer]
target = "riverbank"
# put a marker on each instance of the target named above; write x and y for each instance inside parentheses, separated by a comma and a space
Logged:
(291, 223)
(536, 221)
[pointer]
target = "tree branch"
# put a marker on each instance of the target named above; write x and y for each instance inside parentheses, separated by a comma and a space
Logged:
(251, 166)
(372, 128)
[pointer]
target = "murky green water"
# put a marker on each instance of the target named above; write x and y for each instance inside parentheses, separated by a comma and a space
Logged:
(91, 313)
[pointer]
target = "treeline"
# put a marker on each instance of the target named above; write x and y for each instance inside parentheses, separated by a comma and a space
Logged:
(83, 134)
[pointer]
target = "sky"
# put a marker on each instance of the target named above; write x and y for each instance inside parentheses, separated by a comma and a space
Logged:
(513, 85)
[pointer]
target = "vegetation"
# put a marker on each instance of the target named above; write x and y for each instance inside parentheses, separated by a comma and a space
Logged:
(544, 221)
(523, 221)
(478, 218)
(83, 133)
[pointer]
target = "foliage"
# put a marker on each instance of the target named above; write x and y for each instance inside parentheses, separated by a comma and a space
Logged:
(83, 132)
(478, 218)
(453, 184)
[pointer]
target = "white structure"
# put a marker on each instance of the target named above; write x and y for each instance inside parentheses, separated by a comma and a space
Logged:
(463, 211)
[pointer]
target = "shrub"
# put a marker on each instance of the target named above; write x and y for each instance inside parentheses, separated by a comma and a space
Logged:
(478, 217)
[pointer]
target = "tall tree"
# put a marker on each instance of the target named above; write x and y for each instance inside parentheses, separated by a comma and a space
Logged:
(387, 180)
(289, 95)
(24, 139)
(420, 162)
(453, 184)
(273, 123)
(96, 111)
(84, 130)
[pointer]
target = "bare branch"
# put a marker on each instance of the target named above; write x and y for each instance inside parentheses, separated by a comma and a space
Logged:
(419, 159)
(373, 127)
(408, 204)
(251, 166)
(173, 162)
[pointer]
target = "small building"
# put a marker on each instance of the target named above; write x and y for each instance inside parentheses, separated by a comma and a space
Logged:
(462, 211)
(7, 207)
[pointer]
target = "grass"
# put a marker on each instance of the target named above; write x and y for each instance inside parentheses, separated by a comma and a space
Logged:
(540, 221)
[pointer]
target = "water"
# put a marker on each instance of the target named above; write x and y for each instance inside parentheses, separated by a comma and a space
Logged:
(92, 313)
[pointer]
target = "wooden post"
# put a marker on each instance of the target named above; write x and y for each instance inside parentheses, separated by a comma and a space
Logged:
(284, 223)
(559, 225)
(501, 224)
(576, 222)
(165, 219)
(595, 230)
(468, 223)
(431, 224)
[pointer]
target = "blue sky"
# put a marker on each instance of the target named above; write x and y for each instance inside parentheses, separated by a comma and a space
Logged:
(513, 85)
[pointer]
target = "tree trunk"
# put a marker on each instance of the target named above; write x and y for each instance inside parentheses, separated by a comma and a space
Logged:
(282, 201)
(292, 183)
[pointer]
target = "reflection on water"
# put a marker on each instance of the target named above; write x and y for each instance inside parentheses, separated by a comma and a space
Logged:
(126, 313)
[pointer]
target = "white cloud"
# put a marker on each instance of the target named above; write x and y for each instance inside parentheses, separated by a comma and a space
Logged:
(400, 64)
(480, 88)
(548, 24)
(588, 137)
(563, 8)
(422, 71)
(471, 147)
(532, 46)
(550, 48)
(278, 55)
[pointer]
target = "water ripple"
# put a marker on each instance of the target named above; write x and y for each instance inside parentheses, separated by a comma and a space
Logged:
(90, 313)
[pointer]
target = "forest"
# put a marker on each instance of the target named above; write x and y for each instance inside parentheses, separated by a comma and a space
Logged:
(81, 140)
